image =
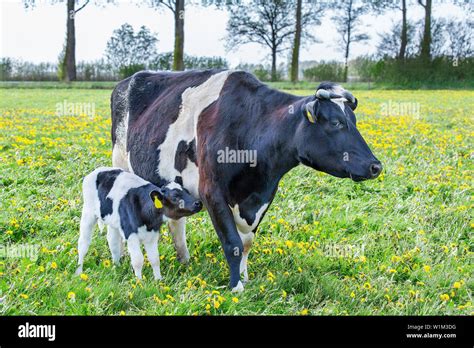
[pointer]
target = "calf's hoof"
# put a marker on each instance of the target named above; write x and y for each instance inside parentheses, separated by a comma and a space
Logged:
(239, 287)
(183, 259)
(78, 271)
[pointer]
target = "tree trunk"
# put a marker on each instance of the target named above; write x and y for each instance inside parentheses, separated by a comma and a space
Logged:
(178, 56)
(274, 70)
(404, 37)
(348, 42)
(426, 41)
(296, 45)
(70, 54)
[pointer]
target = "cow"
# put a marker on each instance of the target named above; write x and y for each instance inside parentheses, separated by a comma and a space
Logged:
(133, 210)
(174, 126)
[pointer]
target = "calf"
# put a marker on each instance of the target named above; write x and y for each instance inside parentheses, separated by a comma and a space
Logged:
(133, 209)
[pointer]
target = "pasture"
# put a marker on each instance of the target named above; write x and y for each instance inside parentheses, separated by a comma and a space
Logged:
(398, 245)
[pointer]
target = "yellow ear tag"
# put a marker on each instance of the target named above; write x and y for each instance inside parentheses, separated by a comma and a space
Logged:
(309, 116)
(158, 203)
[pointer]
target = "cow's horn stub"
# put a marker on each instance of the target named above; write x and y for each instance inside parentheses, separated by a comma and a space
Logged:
(325, 94)
(348, 95)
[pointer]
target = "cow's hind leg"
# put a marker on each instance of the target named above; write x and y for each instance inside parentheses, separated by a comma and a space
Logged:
(178, 231)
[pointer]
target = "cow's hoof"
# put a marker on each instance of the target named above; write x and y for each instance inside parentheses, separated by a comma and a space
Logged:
(239, 287)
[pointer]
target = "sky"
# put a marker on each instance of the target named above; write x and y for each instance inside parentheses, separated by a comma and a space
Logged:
(38, 34)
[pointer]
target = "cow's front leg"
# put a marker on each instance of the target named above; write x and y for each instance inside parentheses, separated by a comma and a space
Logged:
(224, 224)
(178, 231)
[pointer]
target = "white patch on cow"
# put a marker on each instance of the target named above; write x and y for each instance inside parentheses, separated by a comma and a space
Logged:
(119, 158)
(129, 164)
(194, 101)
(241, 223)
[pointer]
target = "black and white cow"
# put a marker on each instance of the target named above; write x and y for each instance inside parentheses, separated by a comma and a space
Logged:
(173, 126)
(133, 210)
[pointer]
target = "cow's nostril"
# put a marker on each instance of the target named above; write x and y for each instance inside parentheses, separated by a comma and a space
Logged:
(375, 169)
(198, 204)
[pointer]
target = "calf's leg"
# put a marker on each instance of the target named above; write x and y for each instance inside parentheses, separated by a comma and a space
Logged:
(136, 256)
(151, 248)
(115, 243)
(88, 221)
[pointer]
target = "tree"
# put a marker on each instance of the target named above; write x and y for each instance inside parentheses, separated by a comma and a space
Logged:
(390, 42)
(69, 63)
(347, 21)
(425, 52)
(130, 52)
(306, 15)
(460, 43)
(177, 8)
(267, 23)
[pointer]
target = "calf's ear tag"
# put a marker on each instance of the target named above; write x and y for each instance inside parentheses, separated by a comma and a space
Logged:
(158, 204)
(309, 116)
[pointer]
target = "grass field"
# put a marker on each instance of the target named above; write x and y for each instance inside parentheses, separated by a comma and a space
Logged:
(401, 244)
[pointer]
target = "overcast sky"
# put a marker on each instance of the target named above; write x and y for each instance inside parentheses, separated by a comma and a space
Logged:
(38, 34)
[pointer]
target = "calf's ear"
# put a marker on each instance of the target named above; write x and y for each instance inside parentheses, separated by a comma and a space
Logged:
(157, 198)
(310, 110)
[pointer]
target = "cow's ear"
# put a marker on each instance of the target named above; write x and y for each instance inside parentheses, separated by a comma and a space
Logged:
(310, 111)
(352, 105)
(157, 196)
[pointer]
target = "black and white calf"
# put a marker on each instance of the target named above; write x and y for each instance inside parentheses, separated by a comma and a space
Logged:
(133, 209)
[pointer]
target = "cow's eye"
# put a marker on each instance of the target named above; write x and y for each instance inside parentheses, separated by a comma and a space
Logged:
(337, 124)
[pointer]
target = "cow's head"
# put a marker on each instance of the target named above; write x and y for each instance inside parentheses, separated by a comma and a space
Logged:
(328, 139)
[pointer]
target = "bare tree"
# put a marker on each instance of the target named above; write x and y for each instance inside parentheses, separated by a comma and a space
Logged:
(307, 14)
(347, 22)
(425, 52)
(268, 23)
(69, 66)
(177, 8)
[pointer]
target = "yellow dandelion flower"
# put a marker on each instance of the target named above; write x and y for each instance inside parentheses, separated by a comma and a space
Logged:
(284, 294)
(54, 265)
(367, 286)
(426, 268)
(444, 297)
(235, 300)
(71, 295)
(106, 263)
(84, 276)
(304, 312)
(24, 296)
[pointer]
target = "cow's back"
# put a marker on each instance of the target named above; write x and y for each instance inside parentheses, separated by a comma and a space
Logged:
(163, 112)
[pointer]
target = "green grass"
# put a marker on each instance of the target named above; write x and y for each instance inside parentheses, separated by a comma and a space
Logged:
(398, 245)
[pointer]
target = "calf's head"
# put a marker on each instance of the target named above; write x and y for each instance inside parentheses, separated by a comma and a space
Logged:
(327, 138)
(174, 201)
